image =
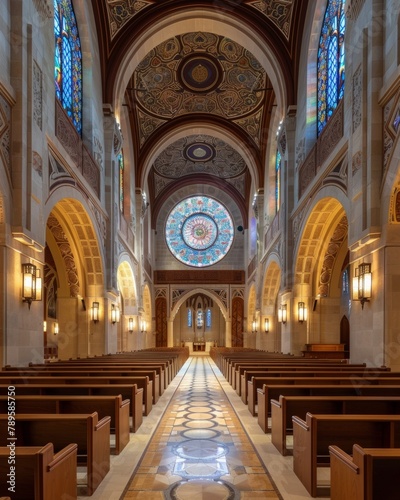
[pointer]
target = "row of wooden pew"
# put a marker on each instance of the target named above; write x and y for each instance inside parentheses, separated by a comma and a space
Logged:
(338, 415)
(72, 414)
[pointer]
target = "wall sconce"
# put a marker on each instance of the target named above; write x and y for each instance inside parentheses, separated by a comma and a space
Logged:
(56, 328)
(282, 314)
(362, 283)
(31, 284)
(44, 326)
(143, 329)
(266, 325)
(302, 312)
(254, 326)
(95, 312)
(114, 314)
(130, 325)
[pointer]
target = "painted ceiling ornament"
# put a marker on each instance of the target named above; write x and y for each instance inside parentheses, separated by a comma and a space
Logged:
(199, 73)
(278, 11)
(199, 153)
(199, 231)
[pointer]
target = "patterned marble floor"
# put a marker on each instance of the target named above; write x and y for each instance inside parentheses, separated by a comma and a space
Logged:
(200, 449)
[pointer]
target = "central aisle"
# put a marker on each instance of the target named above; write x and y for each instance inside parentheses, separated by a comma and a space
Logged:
(200, 449)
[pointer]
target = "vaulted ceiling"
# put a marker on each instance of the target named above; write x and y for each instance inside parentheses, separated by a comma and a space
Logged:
(202, 90)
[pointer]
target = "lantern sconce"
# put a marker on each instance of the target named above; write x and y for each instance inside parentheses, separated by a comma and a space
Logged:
(31, 284)
(44, 326)
(362, 283)
(282, 313)
(115, 314)
(254, 326)
(302, 312)
(55, 328)
(95, 312)
(130, 325)
(143, 329)
(266, 325)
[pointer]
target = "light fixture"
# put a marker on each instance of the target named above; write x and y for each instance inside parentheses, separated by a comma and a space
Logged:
(143, 329)
(362, 283)
(113, 314)
(55, 328)
(44, 326)
(31, 284)
(117, 314)
(282, 314)
(254, 326)
(266, 325)
(130, 325)
(302, 312)
(95, 312)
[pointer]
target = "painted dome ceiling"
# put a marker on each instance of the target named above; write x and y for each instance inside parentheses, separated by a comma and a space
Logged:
(199, 73)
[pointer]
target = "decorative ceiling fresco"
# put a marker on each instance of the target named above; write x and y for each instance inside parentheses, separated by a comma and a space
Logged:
(199, 73)
(201, 80)
(199, 154)
(121, 12)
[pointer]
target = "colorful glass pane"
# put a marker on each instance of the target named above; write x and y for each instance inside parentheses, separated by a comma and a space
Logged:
(189, 318)
(278, 162)
(121, 181)
(68, 61)
(199, 231)
(208, 318)
(330, 63)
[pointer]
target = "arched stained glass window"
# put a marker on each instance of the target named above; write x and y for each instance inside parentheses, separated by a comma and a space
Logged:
(189, 318)
(68, 61)
(278, 162)
(121, 181)
(330, 63)
(199, 318)
(208, 318)
(199, 231)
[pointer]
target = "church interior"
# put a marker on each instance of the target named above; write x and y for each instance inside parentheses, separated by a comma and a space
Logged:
(200, 197)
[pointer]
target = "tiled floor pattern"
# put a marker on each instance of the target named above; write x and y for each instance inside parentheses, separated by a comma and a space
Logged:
(200, 450)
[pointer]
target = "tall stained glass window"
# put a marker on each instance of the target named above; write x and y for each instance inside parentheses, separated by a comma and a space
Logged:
(208, 318)
(189, 318)
(278, 163)
(199, 231)
(68, 61)
(330, 63)
(121, 181)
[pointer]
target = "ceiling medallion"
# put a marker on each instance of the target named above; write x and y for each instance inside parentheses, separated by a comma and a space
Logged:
(199, 152)
(199, 231)
(200, 73)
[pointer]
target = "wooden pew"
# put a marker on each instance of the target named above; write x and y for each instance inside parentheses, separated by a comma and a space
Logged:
(267, 393)
(40, 474)
(112, 406)
(313, 436)
(258, 382)
(318, 372)
(283, 410)
(142, 382)
(161, 368)
(91, 435)
(127, 391)
(366, 474)
(238, 369)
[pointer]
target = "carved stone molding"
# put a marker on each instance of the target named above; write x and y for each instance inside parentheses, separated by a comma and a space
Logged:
(353, 9)
(44, 7)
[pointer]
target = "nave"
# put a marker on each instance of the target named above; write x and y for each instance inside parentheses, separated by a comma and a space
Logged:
(200, 442)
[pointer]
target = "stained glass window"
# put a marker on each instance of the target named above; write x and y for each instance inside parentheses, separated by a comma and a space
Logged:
(189, 318)
(278, 162)
(199, 231)
(68, 61)
(121, 181)
(208, 318)
(330, 63)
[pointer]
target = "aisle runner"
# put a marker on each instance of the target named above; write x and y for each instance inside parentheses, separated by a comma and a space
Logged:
(200, 450)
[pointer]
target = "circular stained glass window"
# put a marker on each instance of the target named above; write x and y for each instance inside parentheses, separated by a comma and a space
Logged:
(199, 231)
